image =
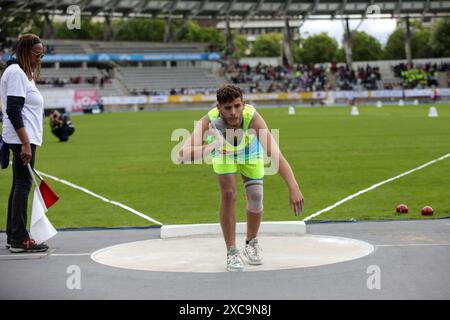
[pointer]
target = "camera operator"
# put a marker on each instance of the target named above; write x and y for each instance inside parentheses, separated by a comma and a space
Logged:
(61, 126)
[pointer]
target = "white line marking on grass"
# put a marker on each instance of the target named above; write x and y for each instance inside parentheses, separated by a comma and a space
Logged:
(140, 214)
(375, 186)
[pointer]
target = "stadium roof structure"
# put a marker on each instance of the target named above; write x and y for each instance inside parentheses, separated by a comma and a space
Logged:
(239, 9)
(232, 10)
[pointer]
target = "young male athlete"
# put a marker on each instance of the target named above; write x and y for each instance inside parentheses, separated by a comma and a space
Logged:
(238, 137)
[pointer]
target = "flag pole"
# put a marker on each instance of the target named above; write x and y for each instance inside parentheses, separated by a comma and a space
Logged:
(36, 186)
(35, 171)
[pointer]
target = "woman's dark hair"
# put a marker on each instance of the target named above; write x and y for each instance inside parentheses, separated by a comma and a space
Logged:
(228, 93)
(23, 54)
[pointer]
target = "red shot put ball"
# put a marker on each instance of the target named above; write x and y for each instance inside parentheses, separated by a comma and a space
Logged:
(402, 208)
(427, 211)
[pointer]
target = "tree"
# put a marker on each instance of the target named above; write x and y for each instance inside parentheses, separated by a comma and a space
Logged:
(36, 26)
(318, 48)
(365, 47)
(395, 45)
(13, 24)
(296, 50)
(268, 45)
(88, 30)
(241, 44)
(138, 29)
(340, 55)
(179, 29)
(440, 37)
(420, 42)
(192, 32)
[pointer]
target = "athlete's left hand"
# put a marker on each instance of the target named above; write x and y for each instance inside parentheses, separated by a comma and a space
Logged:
(297, 201)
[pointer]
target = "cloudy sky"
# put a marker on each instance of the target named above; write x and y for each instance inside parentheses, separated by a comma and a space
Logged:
(378, 28)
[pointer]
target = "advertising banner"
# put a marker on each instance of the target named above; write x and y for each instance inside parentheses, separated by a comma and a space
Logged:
(386, 94)
(84, 98)
(125, 100)
(418, 93)
(211, 56)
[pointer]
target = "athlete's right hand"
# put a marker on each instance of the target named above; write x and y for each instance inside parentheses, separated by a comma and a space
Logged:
(297, 200)
(26, 154)
(219, 140)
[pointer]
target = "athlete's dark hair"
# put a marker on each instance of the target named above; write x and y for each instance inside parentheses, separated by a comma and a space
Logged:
(228, 93)
(23, 54)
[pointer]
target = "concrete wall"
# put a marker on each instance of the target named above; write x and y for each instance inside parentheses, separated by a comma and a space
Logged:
(275, 61)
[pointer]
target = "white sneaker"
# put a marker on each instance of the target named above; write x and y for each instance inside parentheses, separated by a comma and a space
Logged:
(234, 261)
(253, 252)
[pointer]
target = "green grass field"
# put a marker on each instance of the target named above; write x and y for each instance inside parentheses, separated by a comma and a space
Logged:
(125, 157)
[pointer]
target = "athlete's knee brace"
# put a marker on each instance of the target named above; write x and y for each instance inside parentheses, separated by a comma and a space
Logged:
(254, 191)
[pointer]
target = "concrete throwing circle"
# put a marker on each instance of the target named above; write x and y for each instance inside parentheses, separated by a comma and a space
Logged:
(208, 254)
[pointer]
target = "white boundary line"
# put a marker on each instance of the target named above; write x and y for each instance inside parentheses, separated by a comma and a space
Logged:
(140, 214)
(43, 254)
(413, 245)
(374, 186)
(69, 254)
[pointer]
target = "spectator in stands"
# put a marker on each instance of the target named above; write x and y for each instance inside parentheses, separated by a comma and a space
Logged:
(49, 48)
(61, 126)
(434, 93)
(280, 78)
(299, 78)
(58, 82)
(333, 67)
(419, 76)
(414, 78)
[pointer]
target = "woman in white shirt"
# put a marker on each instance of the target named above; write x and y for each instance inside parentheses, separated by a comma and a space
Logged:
(23, 109)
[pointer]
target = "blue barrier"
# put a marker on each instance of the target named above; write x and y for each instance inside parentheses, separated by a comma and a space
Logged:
(213, 56)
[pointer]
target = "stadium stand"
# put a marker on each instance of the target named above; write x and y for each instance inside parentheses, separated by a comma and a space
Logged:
(162, 80)
(77, 78)
(420, 75)
(52, 46)
(61, 46)
(145, 47)
(368, 75)
(300, 78)
(126, 78)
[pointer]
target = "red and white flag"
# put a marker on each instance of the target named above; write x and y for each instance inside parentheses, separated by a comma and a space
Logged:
(44, 197)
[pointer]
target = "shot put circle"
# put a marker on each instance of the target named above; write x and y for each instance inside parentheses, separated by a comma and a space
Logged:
(207, 253)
